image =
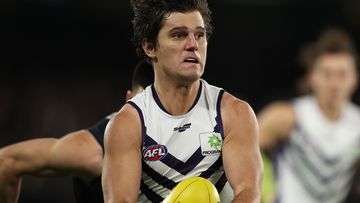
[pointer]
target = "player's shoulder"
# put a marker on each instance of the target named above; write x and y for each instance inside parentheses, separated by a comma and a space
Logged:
(280, 107)
(127, 112)
(230, 102)
(352, 111)
(279, 115)
(233, 108)
(123, 124)
(237, 114)
(354, 107)
(288, 106)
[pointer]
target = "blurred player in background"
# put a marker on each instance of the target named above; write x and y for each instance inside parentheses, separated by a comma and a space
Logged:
(79, 154)
(314, 139)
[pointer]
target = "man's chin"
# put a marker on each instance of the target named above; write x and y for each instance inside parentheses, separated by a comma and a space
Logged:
(188, 79)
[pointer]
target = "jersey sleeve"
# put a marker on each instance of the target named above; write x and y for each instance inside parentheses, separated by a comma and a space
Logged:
(98, 130)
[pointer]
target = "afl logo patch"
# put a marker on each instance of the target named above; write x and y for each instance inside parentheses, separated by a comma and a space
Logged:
(154, 152)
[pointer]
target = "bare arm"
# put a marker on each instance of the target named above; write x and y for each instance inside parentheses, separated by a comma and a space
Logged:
(122, 161)
(241, 154)
(275, 123)
(77, 153)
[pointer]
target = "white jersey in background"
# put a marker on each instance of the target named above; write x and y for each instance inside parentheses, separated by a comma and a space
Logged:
(179, 147)
(316, 164)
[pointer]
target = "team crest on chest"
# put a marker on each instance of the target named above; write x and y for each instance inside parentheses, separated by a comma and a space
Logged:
(210, 143)
(154, 152)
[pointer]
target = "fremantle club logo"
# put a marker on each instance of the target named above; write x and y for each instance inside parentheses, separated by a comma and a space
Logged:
(154, 152)
(210, 143)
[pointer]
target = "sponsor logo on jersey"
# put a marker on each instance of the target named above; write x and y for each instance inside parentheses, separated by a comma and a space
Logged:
(210, 143)
(182, 128)
(154, 152)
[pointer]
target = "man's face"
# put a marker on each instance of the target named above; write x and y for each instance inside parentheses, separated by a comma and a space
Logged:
(181, 50)
(334, 77)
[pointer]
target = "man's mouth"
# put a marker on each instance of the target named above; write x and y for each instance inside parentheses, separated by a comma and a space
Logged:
(191, 60)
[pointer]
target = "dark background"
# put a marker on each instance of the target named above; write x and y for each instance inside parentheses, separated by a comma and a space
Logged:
(67, 64)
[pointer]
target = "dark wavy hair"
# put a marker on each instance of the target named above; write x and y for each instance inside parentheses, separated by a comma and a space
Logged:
(149, 17)
(332, 40)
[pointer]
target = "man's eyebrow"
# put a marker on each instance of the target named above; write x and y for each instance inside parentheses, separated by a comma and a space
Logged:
(183, 28)
(200, 28)
(180, 28)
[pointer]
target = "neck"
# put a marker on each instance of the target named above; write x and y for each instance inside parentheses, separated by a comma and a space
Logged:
(176, 98)
(331, 110)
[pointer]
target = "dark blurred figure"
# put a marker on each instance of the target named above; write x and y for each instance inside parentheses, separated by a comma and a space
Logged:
(78, 154)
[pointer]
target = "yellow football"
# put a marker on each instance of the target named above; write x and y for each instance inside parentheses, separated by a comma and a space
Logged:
(193, 190)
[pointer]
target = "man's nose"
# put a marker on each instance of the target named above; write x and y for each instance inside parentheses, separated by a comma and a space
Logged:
(191, 43)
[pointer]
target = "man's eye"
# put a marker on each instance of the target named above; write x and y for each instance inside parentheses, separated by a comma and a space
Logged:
(178, 35)
(199, 35)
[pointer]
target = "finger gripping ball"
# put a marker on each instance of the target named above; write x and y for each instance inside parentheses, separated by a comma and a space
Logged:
(193, 190)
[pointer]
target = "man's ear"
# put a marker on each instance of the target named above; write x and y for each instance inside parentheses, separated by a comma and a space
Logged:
(148, 48)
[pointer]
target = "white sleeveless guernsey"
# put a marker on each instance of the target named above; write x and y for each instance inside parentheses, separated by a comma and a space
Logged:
(179, 147)
(316, 164)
